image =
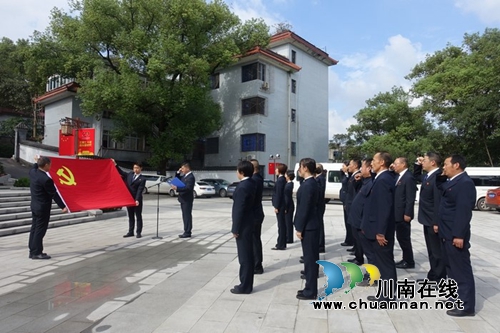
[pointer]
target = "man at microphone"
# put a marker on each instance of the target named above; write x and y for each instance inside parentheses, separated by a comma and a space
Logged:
(186, 197)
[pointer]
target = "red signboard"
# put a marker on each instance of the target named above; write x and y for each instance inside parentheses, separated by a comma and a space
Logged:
(86, 141)
(271, 167)
(66, 144)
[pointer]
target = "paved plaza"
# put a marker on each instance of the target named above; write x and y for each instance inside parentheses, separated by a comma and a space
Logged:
(98, 281)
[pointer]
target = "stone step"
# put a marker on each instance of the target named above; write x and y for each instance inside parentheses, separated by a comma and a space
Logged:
(14, 193)
(52, 224)
(27, 221)
(21, 208)
(4, 200)
(22, 213)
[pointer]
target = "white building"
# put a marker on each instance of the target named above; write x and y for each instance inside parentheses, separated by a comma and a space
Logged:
(274, 101)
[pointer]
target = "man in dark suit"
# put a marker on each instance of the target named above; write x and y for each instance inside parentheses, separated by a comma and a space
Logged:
(428, 211)
(344, 174)
(186, 197)
(404, 202)
(289, 206)
(259, 218)
(356, 216)
(378, 218)
(455, 212)
(278, 202)
(307, 228)
(243, 226)
(42, 191)
(321, 180)
(135, 183)
(353, 186)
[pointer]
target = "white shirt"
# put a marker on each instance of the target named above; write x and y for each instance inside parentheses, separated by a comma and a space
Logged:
(378, 174)
(401, 174)
(455, 176)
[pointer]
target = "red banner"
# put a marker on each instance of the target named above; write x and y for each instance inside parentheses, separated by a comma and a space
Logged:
(271, 166)
(89, 184)
(86, 141)
(66, 144)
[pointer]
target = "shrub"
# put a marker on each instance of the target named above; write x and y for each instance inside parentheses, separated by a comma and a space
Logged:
(22, 182)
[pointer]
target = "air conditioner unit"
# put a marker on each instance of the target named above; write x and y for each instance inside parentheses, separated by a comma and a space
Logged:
(265, 85)
(251, 157)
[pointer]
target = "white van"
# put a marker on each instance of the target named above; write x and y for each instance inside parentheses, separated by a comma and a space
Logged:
(333, 179)
(485, 179)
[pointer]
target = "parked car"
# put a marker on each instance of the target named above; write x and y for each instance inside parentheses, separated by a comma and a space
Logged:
(492, 199)
(152, 182)
(203, 189)
(266, 192)
(219, 184)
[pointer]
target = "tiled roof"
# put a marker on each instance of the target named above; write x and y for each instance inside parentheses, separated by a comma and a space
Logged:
(273, 55)
(294, 37)
(72, 87)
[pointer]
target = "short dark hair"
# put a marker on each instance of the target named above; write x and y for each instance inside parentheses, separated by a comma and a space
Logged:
(346, 163)
(460, 160)
(187, 165)
(309, 163)
(290, 175)
(43, 161)
(139, 164)
(357, 162)
(368, 161)
(386, 157)
(403, 160)
(282, 168)
(319, 168)
(434, 157)
(245, 168)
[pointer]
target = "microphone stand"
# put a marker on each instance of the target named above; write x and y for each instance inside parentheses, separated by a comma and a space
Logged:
(157, 210)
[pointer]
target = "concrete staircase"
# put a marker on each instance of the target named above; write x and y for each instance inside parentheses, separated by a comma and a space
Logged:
(15, 213)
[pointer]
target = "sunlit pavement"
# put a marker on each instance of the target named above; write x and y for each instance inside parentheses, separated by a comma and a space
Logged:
(98, 281)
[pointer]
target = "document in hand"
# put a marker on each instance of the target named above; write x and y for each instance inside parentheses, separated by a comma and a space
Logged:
(177, 182)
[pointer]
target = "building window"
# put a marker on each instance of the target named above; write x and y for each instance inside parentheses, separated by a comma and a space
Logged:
(130, 142)
(214, 81)
(253, 142)
(293, 116)
(212, 146)
(255, 71)
(293, 148)
(254, 105)
(294, 56)
(294, 86)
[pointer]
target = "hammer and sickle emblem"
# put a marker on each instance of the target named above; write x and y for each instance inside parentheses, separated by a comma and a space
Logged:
(69, 179)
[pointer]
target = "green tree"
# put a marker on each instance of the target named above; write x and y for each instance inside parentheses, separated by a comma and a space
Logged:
(15, 88)
(389, 123)
(459, 87)
(150, 61)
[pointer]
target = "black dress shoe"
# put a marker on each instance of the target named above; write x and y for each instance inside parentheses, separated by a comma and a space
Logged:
(258, 271)
(355, 261)
(128, 235)
(278, 248)
(31, 256)
(301, 261)
(302, 272)
(300, 291)
(237, 291)
(377, 299)
(138, 236)
(346, 244)
(322, 250)
(404, 264)
(460, 313)
(41, 256)
(350, 250)
(303, 276)
(304, 297)
(184, 236)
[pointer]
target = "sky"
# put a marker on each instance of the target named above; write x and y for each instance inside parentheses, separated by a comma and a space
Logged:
(377, 42)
